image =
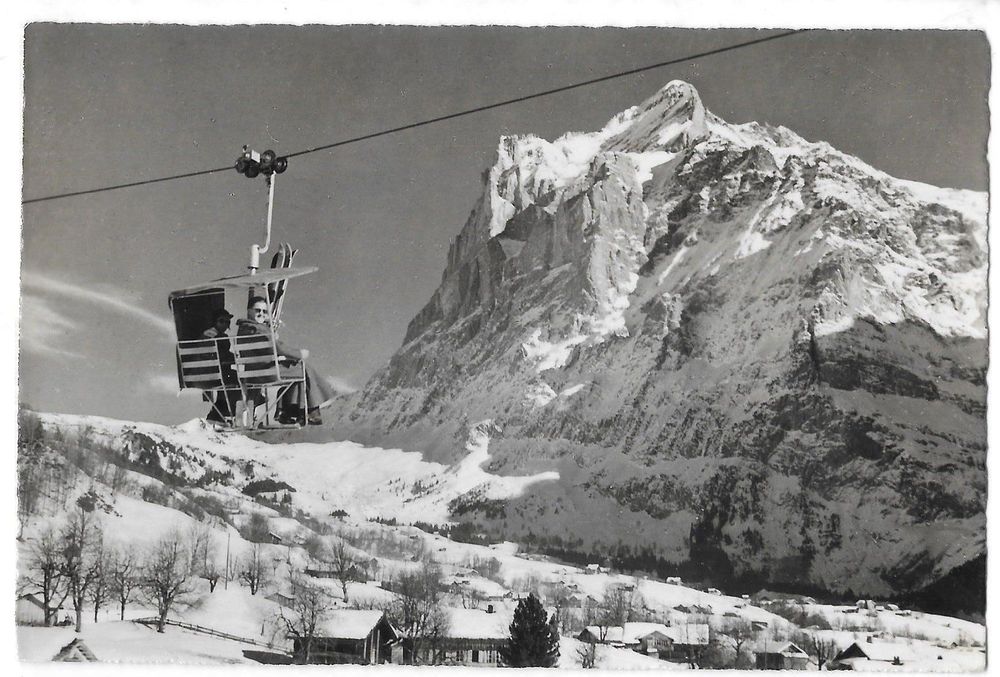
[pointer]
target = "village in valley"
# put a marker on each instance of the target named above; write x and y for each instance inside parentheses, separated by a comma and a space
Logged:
(146, 543)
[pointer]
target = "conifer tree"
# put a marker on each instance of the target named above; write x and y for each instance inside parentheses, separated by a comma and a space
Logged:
(534, 641)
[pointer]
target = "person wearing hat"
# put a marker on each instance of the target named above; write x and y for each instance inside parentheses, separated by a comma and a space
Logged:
(220, 325)
(226, 399)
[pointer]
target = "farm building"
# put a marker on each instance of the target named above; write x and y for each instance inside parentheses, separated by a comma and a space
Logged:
(688, 640)
(668, 643)
(602, 634)
(29, 610)
(281, 598)
(779, 656)
(632, 635)
(353, 573)
(858, 655)
(473, 638)
(350, 636)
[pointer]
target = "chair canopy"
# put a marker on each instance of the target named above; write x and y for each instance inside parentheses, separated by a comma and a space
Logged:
(261, 278)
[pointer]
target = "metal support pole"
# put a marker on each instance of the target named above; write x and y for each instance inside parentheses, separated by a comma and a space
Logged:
(255, 249)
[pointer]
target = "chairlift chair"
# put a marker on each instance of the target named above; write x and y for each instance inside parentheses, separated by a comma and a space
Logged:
(255, 369)
(249, 363)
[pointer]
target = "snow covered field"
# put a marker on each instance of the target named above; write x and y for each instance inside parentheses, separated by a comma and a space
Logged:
(129, 521)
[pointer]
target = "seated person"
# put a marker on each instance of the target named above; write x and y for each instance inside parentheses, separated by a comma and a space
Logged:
(291, 405)
(226, 399)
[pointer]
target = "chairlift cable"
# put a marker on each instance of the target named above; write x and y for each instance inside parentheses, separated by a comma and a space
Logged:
(441, 118)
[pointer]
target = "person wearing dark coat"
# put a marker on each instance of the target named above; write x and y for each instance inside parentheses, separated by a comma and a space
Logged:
(225, 401)
(319, 392)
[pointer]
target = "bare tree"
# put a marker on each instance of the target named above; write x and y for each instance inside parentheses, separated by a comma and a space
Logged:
(29, 478)
(587, 653)
(257, 528)
(204, 556)
(823, 648)
(558, 595)
(118, 480)
(212, 571)
(166, 578)
(81, 555)
(737, 635)
(622, 603)
(199, 543)
(124, 577)
(345, 565)
(45, 572)
(695, 651)
(308, 607)
(101, 589)
(418, 611)
(472, 598)
(253, 569)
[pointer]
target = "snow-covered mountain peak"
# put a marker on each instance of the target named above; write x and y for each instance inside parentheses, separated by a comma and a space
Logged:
(680, 303)
(670, 120)
(531, 170)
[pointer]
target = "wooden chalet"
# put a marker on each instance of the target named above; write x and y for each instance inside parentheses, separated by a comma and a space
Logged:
(779, 656)
(676, 643)
(873, 655)
(29, 610)
(473, 638)
(359, 636)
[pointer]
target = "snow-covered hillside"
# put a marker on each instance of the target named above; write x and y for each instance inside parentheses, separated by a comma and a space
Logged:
(751, 354)
(363, 481)
(144, 482)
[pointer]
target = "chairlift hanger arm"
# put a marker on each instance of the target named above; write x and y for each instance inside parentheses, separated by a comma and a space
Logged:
(259, 279)
(251, 164)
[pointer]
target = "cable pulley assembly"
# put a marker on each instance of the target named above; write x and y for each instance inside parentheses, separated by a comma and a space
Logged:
(251, 163)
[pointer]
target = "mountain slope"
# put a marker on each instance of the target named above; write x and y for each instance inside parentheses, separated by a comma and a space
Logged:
(739, 349)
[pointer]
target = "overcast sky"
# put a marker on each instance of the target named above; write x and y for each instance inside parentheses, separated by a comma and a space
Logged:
(112, 104)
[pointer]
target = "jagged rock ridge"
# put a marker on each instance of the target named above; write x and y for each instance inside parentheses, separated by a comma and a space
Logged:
(737, 348)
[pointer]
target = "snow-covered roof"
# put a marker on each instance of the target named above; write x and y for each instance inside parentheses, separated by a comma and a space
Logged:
(349, 623)
(888, 651)
(31, 599)
(75, 651)
(612, 633)
(689, 633)
(478, 624)
(773, 647)
(634, 632)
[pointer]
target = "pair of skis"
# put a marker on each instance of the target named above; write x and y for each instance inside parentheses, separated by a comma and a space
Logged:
(276, 290)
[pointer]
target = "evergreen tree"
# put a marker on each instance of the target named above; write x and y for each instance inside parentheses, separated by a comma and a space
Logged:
(534, 641)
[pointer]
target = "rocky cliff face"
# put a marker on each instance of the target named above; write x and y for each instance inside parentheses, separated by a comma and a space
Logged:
(739, 349)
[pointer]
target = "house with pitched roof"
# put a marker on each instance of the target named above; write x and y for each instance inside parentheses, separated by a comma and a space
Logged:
(666, 642)
(359, 636)
(874, 654)
(75, 652)
(474, 636)
(775, 655)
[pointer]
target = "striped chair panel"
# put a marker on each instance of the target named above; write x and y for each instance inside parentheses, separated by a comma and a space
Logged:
(200, 367)
(257, 361)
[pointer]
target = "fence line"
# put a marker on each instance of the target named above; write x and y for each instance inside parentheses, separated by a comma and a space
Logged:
(208, 631)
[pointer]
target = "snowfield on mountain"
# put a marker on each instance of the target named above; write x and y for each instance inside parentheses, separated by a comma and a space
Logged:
(754, 355)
